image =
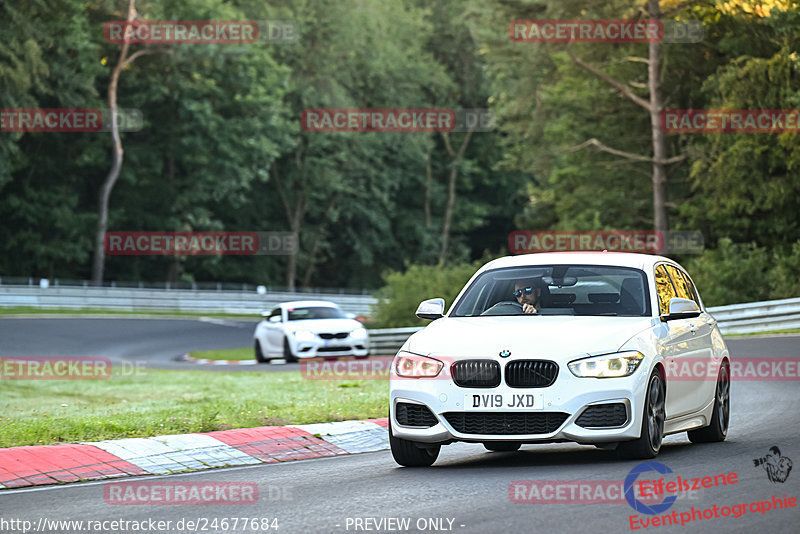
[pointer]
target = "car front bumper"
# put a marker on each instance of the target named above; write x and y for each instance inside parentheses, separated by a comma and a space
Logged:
(320, 348)
(569, 395)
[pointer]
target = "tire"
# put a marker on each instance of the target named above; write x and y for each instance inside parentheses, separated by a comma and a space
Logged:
(502, 446)
(718, 429)
(653, 415)
(287, 352)
(408, 454)
(259, 353)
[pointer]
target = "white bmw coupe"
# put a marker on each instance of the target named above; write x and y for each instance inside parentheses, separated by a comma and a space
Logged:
(308, 329)
(561, 347)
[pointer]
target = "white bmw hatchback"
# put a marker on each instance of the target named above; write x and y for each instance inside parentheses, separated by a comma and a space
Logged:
(309, 329)
(561, 347)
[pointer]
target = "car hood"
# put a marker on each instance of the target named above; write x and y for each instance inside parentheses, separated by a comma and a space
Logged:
(324, 325)
(552, 337)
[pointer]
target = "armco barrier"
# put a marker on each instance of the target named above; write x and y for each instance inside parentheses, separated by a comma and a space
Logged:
(758, 316)
(178, 300)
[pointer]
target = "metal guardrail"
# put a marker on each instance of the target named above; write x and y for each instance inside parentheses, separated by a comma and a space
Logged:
(758, 316)
(732, 319)
(178, 300)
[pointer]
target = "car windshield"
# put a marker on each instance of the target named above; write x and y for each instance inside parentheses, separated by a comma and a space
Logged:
(585, 290)
(314, 312)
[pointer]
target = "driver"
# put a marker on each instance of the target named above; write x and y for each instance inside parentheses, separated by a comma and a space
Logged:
(528, 293)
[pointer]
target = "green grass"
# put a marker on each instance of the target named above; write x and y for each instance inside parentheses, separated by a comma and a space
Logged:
(225, 354)
(28, 310)
(37, 412)
(791, 331)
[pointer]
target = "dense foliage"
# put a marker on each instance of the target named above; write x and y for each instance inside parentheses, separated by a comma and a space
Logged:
(222, 147)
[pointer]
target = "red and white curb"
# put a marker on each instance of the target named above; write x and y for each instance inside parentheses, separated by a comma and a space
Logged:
(52, 464)
(205, 361)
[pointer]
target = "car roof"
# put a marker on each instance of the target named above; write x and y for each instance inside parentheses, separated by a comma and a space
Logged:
(618, 259)
(308, 303)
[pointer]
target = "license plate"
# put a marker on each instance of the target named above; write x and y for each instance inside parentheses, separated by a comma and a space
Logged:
(503, 401)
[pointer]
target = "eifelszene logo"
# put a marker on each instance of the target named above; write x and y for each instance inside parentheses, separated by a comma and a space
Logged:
(777, 467)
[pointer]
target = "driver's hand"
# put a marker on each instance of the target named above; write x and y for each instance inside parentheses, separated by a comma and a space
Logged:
(529, 308)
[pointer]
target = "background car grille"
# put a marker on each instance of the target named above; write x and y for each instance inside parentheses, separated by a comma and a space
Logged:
(476, 373)
(603, 415)
(531, 373)
(415, 415)
(505, 423)
(340, 335)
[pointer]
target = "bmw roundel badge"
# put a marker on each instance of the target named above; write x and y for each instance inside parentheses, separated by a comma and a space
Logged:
(505, 353)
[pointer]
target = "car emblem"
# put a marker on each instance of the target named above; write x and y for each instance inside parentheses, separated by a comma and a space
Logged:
(505, 353)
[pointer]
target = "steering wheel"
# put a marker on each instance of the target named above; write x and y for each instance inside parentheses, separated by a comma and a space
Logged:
(505, 308)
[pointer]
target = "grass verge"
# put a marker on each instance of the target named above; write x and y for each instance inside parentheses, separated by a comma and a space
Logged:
(225, 354)
(153, 402)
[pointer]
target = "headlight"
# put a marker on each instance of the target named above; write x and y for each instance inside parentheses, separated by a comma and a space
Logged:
(304, 335)
(607, 366)
(413, 366)
(359, 332)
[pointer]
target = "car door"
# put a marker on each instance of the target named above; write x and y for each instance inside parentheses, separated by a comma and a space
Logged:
(676, 348)
(701, 328)
(274, 333)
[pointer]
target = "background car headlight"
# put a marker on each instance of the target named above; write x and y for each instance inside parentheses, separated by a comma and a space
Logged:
(413, 366)
(304, 335)
(606, 366)
(359, 332)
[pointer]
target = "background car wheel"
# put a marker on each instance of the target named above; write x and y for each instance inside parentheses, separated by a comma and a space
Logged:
(718, 429)
(502, 446)
(652, 432)
(259, 354)
(287, 352)
(408, 454)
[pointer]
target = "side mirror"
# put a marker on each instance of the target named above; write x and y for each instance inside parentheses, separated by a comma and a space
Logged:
(265, 315)
(681, 309)
(431, 309)
(275, 319)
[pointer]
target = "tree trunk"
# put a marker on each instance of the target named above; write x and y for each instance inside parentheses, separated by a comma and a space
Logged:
(98, 265)
(660, 222)
(451, 189)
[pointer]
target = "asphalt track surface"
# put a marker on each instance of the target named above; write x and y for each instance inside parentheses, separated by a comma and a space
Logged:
(467, 485)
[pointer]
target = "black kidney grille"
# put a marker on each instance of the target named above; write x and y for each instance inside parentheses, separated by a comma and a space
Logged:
(603, 415)
(415, 415)
(506, 423)
(531, 373)
(476, 373)
(339, 335)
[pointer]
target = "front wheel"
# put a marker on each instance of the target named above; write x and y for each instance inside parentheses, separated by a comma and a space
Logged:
(653, 417)
(718, 429)
(259, 353)
(287, 352)
(408, 454)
